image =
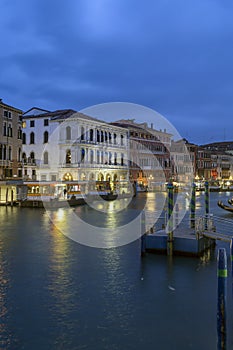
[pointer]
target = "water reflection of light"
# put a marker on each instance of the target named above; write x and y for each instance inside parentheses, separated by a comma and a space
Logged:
(4, 283)
(59, 271)
(118, 287)
(59, 218)
(111, 206)
(60, 213)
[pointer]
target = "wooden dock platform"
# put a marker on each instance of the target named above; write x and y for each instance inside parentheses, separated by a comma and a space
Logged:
(186, 241)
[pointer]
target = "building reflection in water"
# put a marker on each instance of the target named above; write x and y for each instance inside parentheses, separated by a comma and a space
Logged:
(60, 279)
(5, 336)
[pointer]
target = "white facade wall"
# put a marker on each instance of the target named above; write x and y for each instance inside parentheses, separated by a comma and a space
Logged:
(32, 168)
(93, 151)
(103, 154)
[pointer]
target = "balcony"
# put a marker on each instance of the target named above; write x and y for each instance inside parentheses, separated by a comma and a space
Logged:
(29, 163)
(94, 143)
(94, 165)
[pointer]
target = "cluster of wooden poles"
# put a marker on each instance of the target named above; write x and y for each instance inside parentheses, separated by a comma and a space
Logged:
(170, 214)
(222, 271)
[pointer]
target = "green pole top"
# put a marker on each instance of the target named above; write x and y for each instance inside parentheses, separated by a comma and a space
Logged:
(170, 185)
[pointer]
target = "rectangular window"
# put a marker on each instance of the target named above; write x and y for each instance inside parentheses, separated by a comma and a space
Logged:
(43, 177)
(46, 122)
(53, 178)
(32, 123)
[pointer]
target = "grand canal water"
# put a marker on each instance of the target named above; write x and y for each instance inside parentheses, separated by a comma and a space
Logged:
(58, 294)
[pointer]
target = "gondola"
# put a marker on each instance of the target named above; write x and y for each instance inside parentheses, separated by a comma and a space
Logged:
(225, 207)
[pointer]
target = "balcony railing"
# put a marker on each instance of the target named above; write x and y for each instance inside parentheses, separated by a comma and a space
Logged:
(93, 165)
(87, 142)
(29, 162)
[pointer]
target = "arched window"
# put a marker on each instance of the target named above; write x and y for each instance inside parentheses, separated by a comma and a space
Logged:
(91, 134)
(105, 136)
(46, 158)
(115, 158)
(110, 158)
(82, 154)
(46, 136)
(19, 133)
(32, 138)
(68, 177)
(122, 159)
(4, 152)
(9, 153)
(110, 137)
(68, 133)
(97, 157)
(102, 136)
(24, 139)
(100, 177)
(122, 140)
(24, 158)
(0, 151)
(92, 177)
(32, 156)
(68, 156)
(97, 136)
(115, 139)
(82, 133)
(83, 177)
(105, 157)
(108, 177)
(91, 156)
(19, 154)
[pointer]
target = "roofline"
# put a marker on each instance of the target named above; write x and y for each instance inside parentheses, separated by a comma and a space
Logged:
(138, 126)
(2, 104)
(40, 109)
(79, 115)
(47, 114)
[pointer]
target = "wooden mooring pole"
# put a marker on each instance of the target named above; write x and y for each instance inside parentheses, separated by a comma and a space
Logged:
(12, 198)
(143, 233)
(193, 206)
(221, 311)
(231, 250)
(170, 203)
(7, 196)
(207, 206)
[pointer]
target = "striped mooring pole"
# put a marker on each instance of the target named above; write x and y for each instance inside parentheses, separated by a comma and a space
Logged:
(231, 248)
(222, 286)
(207, 206)
(193, 206)
(143, 233)
(176, 215)
(170, 204)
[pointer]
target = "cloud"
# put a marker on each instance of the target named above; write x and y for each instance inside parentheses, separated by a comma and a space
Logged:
(175, 57)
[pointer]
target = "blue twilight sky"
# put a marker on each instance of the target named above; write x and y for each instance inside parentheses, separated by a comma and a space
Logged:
(174, 56)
